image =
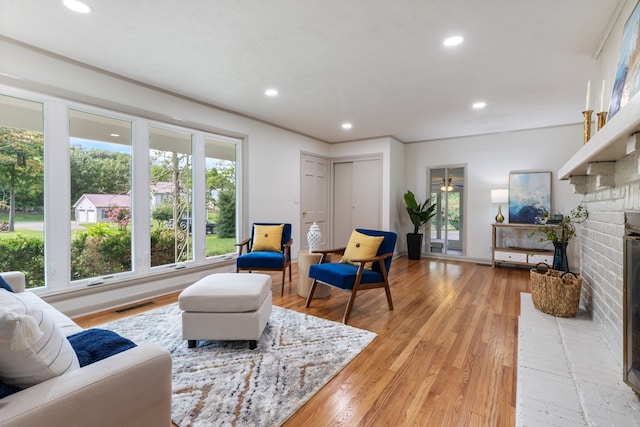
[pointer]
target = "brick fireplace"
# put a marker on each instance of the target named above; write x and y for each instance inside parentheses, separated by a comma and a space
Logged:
(602, 245)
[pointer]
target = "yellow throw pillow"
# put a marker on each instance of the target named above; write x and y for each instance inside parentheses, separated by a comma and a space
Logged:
(267, 238)
(361, 246)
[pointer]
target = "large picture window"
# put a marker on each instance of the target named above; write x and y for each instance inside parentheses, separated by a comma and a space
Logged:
(100, 183)
(171, 186)
(22, 188)
(220, 196)
(125, 197)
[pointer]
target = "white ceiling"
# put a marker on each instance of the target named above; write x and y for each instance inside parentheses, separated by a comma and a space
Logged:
(379, 64)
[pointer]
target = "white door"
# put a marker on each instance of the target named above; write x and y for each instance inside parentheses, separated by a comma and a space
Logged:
(342, 203)
(357, 202)
(314, 197)
(367, 198)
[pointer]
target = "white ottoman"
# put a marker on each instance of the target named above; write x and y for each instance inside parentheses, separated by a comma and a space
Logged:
(226, 306)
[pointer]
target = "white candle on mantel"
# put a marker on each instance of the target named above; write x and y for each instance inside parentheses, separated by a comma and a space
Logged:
(602, 97)
(586, 108)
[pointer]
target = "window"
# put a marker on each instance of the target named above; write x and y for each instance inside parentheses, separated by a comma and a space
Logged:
(22, 188)
(171, 179)
(220, 196)
(100, 182)
(125, 197)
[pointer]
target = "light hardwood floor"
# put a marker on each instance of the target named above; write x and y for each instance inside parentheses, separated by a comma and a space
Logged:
(445, 356)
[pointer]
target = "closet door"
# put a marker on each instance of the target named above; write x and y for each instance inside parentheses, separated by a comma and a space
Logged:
(367, 200)
(357, 201)
(342, 203)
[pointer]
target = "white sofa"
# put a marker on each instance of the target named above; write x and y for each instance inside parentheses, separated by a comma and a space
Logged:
(132, 388)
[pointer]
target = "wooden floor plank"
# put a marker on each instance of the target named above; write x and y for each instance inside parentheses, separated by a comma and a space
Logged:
(445, 356)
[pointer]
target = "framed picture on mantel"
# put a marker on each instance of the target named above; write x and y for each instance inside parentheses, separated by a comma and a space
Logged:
(627, 80)
(529, 196)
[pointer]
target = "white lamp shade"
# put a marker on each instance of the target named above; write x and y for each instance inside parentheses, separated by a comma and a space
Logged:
(499, 196)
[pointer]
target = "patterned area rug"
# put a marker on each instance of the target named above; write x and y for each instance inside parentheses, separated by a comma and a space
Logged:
(223, 383)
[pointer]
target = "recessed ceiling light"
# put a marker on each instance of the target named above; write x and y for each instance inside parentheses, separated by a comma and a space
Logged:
(271, 92)
(77, 6)
(114, 134)
(479, 105)
(346, 126)
(453, 41)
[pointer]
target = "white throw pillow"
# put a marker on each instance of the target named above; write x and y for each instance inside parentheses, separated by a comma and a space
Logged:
(32, 347)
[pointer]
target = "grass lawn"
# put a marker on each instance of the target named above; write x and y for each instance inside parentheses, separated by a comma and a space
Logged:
(22, 232)
(218, 246)
(22, 217)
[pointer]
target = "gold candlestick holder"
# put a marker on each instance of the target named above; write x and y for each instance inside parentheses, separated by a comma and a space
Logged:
(587, 125)
(602, 119)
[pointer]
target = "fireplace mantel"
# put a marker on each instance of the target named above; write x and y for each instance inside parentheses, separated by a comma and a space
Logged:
(608, 144)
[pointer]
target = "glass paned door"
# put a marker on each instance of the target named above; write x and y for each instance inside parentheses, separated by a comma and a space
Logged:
(447, 192)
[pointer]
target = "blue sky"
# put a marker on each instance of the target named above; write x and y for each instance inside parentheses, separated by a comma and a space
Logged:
(101, 145)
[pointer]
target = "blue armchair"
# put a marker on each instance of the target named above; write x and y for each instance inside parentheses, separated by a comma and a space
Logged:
(360, 274)
(265, 251)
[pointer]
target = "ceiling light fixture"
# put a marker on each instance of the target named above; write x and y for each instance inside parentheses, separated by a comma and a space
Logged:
(479, 105)
(453, 41)
(446, 187)
(271, 92)
(346, 126)
(115, 135)
(77, 6)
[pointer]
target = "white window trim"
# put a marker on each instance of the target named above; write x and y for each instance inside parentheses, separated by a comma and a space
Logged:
(57, 194)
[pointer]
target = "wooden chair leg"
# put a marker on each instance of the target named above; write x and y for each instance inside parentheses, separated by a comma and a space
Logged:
(282, 287)
(387, 289)
(347, 311)
(311, 291)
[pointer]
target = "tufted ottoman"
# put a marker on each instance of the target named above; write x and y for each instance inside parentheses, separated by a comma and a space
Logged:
(226, 306)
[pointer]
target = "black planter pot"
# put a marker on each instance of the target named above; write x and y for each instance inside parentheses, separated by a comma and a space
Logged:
(414, 245)
(560, 260)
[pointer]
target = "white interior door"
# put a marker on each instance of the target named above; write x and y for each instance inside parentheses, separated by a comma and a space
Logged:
(356, 198)
(342, 203)
(314, 197)
(367, 200)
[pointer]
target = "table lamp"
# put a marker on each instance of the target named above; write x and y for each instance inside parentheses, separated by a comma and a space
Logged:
(499, 196)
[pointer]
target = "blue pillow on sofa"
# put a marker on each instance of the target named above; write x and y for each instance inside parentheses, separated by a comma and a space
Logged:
(5, 285)
(92, 345)
(6, 390)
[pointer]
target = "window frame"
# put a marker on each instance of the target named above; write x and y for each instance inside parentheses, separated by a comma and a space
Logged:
(57, 216)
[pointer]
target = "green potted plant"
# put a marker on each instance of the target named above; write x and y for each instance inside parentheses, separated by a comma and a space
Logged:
(560, 232)
(419, 214)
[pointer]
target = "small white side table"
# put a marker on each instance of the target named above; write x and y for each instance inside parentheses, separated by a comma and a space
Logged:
(305, 260)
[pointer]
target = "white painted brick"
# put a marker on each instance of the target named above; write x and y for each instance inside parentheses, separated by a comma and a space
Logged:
(577, 381)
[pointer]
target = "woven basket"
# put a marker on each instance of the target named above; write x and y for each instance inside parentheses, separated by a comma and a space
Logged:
(555, 292)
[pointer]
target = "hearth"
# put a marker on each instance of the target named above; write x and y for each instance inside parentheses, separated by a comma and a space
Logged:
(631, 303)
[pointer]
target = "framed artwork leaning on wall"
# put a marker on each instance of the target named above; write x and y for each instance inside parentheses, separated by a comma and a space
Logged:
(529, 196)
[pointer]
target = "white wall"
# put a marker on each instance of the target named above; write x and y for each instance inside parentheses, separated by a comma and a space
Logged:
(488, 160)
(398, 217)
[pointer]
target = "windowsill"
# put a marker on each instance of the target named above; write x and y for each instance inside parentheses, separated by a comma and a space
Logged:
(54, 295)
